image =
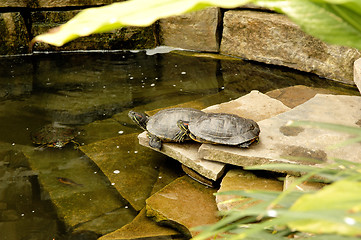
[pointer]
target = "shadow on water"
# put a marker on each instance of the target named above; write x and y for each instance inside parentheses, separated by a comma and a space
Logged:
(60, 193)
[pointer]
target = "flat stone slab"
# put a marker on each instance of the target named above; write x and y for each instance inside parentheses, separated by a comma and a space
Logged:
(183, 204)
(238, 179)
(142, 227)
(254, 105)
(278, 141)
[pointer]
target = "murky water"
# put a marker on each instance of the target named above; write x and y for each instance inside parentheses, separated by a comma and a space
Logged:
(50, 193)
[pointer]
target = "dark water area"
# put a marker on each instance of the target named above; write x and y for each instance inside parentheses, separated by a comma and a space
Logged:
(49, 193)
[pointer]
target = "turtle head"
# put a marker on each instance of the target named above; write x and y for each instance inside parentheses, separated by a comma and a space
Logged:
(140, 119)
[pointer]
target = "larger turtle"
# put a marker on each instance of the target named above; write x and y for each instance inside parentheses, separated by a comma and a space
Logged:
(162, 126)
(55, 136)
(220, 128)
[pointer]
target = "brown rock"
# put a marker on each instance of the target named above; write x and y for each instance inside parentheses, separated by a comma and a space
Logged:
(13, 3)
(141, 227)
(14, 36)
(274, 39)
(196, 31)
(357, 73)
(238, 179)
(67, 3)
(183, 204)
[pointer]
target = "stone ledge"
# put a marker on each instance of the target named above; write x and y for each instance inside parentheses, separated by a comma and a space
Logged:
(274, 39)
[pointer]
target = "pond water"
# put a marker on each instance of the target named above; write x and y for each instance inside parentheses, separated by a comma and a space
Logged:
(48, 193)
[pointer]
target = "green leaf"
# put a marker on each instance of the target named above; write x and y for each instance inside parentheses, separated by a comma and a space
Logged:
(334, 209)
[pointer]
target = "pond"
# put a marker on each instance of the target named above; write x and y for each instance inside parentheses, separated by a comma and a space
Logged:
(51, 193)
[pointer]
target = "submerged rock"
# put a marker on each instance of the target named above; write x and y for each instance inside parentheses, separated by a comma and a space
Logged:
(183, 204)
(142, 227)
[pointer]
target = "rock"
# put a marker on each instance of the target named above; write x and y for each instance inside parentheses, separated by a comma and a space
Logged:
(183, 204)
(304, 186)
(14, 38)
(357, 73)
(255, 105)
(186, 153)
(278, 141)
(13, 3)
(127, 165)
(238, 179)
(274, 39)
(296, 95)
(124, 38)
(141, 227)
(67, 3)
(81, 194)
(198, 177)
(109, 221)
(197, 31)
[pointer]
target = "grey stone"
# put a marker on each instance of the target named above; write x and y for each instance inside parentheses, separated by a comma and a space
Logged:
(274, 39)
(183, 204)
(238, 179)
(304, 186)
(281, 143)
(357, 73)
(196, 31)
(14, 38)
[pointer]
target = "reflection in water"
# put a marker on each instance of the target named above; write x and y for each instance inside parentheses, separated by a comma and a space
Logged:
(54, 192)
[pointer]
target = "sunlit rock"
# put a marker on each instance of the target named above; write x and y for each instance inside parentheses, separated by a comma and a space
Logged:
(296, 95)
(238, 179)
(279, 143)
(130, 168)
(357, 73)
(274, 39)
(196, 31)
(183, 204)
(142, 227)
(304, 186)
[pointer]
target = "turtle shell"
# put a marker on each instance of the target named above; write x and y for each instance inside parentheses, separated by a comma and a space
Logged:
(163, 124)
(53, 136)
(222, 128)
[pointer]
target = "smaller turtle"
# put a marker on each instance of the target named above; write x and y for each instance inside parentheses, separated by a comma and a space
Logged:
(54, 136)
(220, 128)
(162, 126)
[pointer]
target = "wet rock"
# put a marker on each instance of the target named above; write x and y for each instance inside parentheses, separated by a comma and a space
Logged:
(124, 38)
(141, 227)
(310, 146)
(296, 95)
(274, 39)
(168, 172)
(14, 37)
(130, 168)
(13, 3)
(357, 73)
(238, 179)
(197, 177)
(304, 186)
(110, 221)
(78, 192)
(187, 154)
(196, 31)
(183, 204)
(66, 3)
(255, 105)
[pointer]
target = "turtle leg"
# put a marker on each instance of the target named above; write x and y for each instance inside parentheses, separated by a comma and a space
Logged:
(155, 142)
(248, 143)
(183, 131)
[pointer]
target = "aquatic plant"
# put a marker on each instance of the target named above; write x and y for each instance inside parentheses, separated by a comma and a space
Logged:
(333, 21)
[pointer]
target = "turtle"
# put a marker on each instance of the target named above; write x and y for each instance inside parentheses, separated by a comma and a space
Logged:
(220, 128)
(162, 126)
(55, 136)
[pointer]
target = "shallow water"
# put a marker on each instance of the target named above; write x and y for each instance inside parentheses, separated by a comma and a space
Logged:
(48, 193)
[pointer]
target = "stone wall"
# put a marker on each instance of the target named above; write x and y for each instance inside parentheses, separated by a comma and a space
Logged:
(249, 33)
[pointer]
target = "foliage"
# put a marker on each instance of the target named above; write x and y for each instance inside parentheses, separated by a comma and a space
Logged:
(334, 21)
(333, 212)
